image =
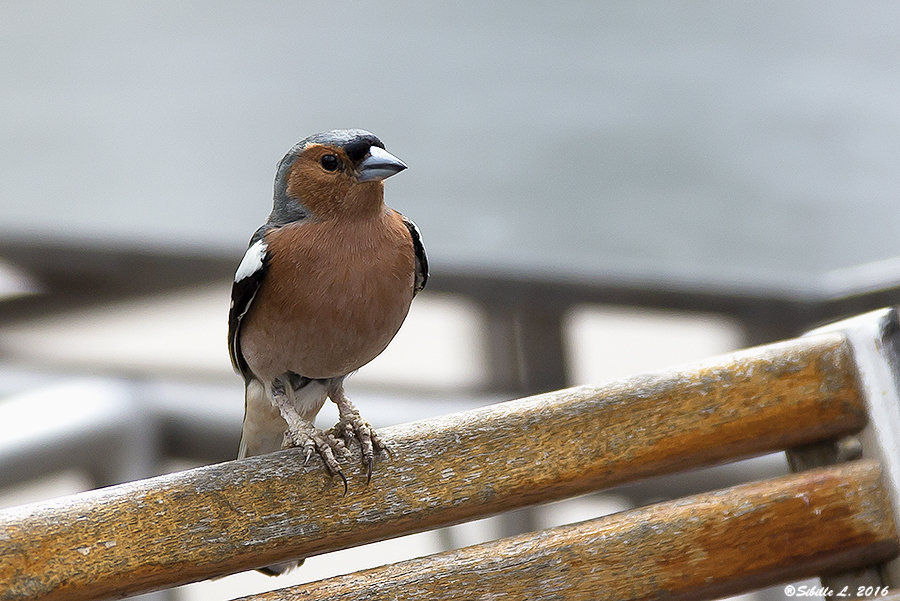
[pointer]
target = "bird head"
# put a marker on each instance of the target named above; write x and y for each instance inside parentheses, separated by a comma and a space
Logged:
(339, 173)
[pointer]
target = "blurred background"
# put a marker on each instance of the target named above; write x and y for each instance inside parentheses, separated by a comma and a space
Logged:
(604, 188)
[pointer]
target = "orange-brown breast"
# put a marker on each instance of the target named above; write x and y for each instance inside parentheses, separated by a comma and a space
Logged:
(335, 295)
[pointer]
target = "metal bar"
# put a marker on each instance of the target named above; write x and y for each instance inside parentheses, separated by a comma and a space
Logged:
(875, 341)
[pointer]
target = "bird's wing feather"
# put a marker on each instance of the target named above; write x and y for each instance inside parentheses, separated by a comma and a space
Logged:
(247, 280)
(421, 258)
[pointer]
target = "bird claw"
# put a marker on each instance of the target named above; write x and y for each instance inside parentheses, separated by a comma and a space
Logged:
(370, 463)
(334, 443)
(353, 426)
(323, 444)
(344, 480)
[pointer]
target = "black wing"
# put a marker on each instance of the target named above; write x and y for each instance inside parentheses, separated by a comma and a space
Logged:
(421, 259)
(247, 280)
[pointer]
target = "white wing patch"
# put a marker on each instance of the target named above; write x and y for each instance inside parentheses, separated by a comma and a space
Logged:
(252, 261)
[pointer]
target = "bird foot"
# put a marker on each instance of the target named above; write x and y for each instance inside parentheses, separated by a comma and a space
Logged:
(352, 426)
(323, 444)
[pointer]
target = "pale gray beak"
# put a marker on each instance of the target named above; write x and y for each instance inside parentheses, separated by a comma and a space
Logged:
(379, 164)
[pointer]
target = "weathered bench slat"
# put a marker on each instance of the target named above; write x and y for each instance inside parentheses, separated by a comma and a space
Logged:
(693, 548)
(235, 516)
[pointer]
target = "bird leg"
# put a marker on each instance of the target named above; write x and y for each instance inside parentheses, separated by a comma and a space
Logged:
(303, 433)
(351, 425)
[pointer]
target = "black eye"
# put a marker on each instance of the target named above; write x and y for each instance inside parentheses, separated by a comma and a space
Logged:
(329, 162)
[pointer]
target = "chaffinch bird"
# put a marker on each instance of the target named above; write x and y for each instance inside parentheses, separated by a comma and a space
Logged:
(323, 288)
